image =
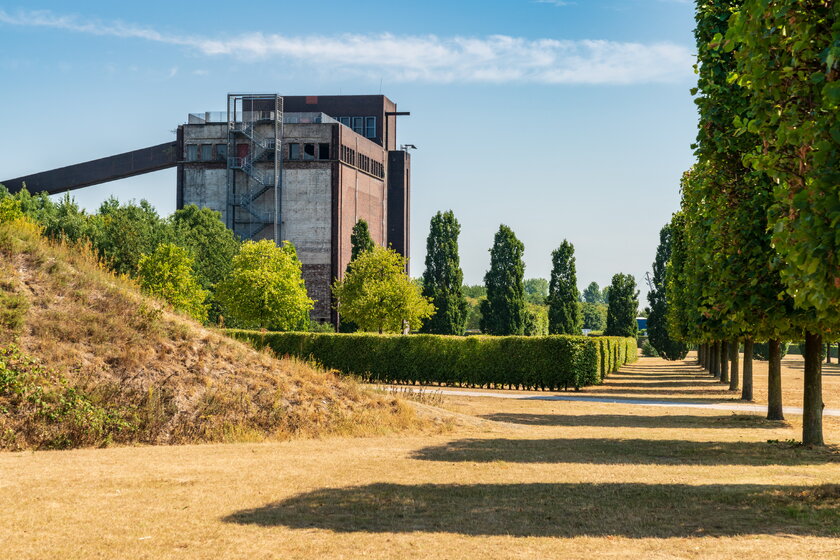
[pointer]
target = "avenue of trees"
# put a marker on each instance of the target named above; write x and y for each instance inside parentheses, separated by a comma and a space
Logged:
(754, 250)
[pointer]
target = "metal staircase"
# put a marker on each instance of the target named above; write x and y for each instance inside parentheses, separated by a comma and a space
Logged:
(254, 165)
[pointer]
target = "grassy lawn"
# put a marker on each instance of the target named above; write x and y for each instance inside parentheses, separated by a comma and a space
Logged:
(527, 479)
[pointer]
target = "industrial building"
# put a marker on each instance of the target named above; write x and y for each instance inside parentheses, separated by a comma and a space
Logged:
(300, 168)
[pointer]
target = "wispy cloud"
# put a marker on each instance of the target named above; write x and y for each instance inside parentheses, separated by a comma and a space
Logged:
(426, 58)
(558, 3)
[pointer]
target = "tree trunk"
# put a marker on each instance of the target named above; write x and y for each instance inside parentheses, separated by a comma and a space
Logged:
(812, 403)
(724, 362)
(774, 381)
(714, 362)
(706, 356)
(828, 353)
(700, 355)
(734, 379)
(747, 391)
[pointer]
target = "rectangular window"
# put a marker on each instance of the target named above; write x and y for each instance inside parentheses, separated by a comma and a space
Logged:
(359, 125)
(309, 151)
(294, 151)
(323, 151)
(192, 152)
(221, 152)
(207, 152)
(370, 127)
(345, 121)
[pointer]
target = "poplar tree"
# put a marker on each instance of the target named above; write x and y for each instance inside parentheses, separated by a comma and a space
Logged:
(360, 240)
(592, 293)
(563, 295)
(657, 324)
(360, 243)
(443, 277)
(623, 306)
(504, 312)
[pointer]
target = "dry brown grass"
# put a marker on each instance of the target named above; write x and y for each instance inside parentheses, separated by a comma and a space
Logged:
(549, 479)
(172, 380)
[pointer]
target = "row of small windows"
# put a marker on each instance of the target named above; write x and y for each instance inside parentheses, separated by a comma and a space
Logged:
(363, 162)
(206, 152)
(309, 152)
(366, 126)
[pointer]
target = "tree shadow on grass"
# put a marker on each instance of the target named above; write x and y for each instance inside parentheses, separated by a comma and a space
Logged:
(617, 397)
(559, 510)
(689, 390)
(637, 421)
(626, 451)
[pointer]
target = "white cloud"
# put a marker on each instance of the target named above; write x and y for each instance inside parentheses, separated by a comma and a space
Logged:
(426, 58)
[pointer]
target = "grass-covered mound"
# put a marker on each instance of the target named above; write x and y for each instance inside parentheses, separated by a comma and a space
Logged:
(86, 359)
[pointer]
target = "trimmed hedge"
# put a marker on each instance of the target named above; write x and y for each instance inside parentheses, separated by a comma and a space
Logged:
(544, 362)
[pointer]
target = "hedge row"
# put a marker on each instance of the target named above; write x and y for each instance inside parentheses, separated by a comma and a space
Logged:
(546, 362)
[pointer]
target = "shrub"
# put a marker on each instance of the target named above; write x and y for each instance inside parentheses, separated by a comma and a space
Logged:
(546, 362)
(648, 350)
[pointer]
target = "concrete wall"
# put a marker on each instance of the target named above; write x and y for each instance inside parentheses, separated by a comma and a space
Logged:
(307, 222)
(206, 188)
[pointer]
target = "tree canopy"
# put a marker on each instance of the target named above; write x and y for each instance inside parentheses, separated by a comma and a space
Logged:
(265, 288)
(563, 295)
(657, 324)
(378, 296)
(623, 307)
(443, 277)
(503, 312)
(168, 274)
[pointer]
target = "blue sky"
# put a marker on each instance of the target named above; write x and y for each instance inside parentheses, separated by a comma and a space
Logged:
(560, 119)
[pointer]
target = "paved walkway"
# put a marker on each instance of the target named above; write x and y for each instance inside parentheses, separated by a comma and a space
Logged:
(637, 402)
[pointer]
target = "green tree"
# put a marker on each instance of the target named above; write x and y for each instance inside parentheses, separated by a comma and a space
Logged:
(168, 274)
(788, 58)
(563, 295)
(443, 278)
(10, 209)
(360, 240)
(592, 293)
(476, 291)
(594, 316)
(503, 312)
(536, 290)
(536, 319)
(265, 288)
(377, 295)
(623, 306)
(211, 243)
(127, 232)
(657, 324)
